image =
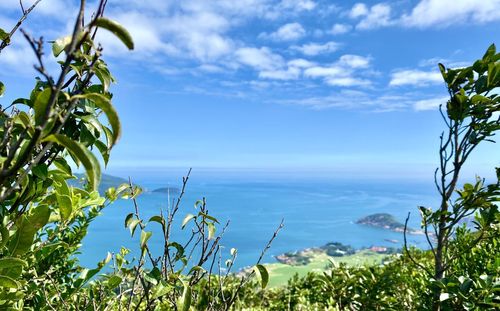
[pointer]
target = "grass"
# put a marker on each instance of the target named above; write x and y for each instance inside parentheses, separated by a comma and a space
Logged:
(279, 273)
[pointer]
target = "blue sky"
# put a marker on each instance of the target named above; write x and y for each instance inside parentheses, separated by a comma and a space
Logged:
(314, 87)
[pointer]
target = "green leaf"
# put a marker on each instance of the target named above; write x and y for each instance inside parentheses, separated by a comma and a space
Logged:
(132, 224)
(41, 102)
(157, 219)
(40, 171)
(206, 216)
(161, 290)
(490, 52)
(2, 89)
(3, 35)
(187, 219)
(185, 301)
(118, 30)
(103, 149)
(88, 160)
(114, 281)
(60, 44)
(103, 103)
(9, 262)
(27, 227)
(211, 230)
(263, 275)
(63, 197)
(145, 235)
(8, 282)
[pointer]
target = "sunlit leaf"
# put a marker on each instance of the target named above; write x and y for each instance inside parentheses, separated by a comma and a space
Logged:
(118, 30)
(187, 219)
(145, 235)
(8, 282)
(60, 44)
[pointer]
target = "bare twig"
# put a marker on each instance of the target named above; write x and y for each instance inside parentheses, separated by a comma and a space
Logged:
(6, 42)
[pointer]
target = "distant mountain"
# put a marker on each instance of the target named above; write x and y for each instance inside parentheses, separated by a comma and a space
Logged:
(107, 181)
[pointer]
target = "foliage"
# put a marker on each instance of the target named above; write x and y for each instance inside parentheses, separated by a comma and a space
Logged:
(471, 117)
(44, 216)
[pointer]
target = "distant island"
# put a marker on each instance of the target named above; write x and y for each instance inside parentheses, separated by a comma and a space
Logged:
(171, 190)
(386, 221)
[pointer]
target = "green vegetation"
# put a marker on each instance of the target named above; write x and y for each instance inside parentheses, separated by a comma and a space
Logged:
(44, 218)
(320, 262)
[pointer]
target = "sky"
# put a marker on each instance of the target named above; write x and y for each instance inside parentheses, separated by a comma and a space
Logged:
(297, 87)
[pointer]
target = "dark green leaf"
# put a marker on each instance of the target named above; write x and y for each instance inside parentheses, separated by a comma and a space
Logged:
(263, 275)
(88, 160)
(103, 103)
(114, 281)
(9, 262)
(3, 35)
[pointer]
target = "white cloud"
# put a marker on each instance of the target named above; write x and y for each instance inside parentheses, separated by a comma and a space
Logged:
(429, 104)
(147, 38)
(300, 63)
(347, 81)
(354, 61)
(345, 72)
(358, 10)
(415, 78)
(338, 29)
(321, 72)
(377, 16)
(292, 70)
(58, 9)
(312, 49)
(261, 59)
(449, 12)
(287, 32)
(353, 100)
(291, 73)
(298, 5)
(210, 68)
(18, 57)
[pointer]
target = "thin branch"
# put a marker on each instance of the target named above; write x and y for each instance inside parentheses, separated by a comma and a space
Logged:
(6, 42)
(407, 251)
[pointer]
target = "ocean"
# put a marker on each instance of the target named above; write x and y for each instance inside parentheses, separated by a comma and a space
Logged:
(315, 212)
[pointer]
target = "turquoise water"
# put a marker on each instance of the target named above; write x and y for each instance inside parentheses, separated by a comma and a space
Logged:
(314, 212)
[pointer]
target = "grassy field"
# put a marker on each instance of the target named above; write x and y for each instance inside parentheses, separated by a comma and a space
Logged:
(279, 273)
